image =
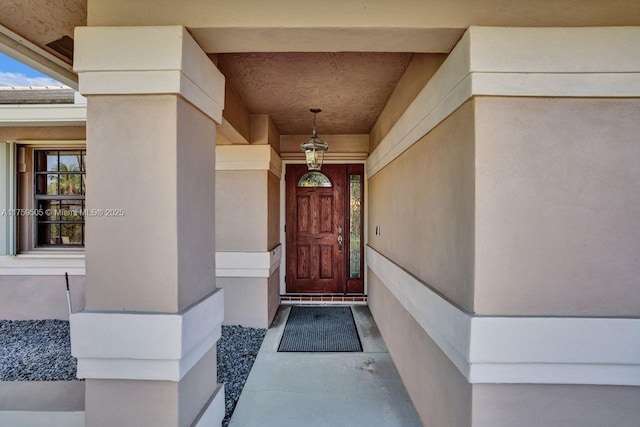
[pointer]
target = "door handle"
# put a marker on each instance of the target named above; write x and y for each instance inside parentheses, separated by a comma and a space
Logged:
(340, 240)
(339, 244)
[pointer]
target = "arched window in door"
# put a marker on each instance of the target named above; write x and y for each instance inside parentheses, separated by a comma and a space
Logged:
(314, 179)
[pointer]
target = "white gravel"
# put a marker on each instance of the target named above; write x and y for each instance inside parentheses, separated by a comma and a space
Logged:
(237, 350)
(40, 350)
(36, 350)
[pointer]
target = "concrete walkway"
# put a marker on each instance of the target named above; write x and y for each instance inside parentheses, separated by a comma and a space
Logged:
(325, 389)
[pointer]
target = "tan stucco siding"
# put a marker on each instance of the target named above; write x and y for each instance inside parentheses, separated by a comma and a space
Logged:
(115, 155)
(39, 297)
(440, 393)
(196, 204)
(534, 405)
(420, 70)
(273, 295)
(241, 217)
(424, 204)
(250, 301)
(336, 13)
(126, 402)
(273, 211)
(557, 206)
(42, 396)
(236, 113)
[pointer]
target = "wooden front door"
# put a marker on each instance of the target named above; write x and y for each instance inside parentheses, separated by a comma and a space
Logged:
(318, 230)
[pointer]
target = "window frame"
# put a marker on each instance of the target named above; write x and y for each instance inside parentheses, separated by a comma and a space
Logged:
(43, 197)
(25, 227)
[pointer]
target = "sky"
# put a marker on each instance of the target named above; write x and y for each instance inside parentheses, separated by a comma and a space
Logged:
(14, 73)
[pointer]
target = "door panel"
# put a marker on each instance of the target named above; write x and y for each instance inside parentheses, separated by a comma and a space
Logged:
(319, 245)
(315, 259)
(303, 214)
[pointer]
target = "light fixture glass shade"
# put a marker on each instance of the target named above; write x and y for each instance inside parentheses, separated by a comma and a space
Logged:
(314, 147)
(314, 150)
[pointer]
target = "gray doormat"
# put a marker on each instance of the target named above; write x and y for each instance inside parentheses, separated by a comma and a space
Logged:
(320, 329)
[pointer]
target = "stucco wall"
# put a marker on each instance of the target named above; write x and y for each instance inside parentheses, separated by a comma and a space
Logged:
(557, 206)
(115, 154)
(241, 217)
(382, 14)
(157, 403)
(250, 301)
(39, 297)
(420, 70)
(440, 393)
(264, 131)
(236, 113)
(41, 395)
(534, 405)
(248, 220)
(155, 166)
(273, 295)
(342, 144)
(424, 204)
(273, 211)
(196, 204)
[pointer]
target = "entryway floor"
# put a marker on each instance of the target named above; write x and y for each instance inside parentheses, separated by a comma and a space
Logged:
(325, 389)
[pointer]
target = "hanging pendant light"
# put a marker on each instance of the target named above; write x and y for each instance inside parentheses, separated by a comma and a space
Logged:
(314, 147)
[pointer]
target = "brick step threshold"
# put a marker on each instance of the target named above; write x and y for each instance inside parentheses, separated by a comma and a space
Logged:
(323, 299)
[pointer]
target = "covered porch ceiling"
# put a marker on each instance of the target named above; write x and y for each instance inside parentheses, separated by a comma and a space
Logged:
(351, 88)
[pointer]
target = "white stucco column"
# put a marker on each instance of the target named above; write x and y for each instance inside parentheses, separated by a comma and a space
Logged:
(146, 340)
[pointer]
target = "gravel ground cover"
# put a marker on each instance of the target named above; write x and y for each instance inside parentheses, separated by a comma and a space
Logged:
(36, 350)
(40, 350)
(237, 350)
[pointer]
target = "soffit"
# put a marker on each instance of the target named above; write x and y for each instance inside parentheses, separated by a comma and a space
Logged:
(43, 21)
(351, 88)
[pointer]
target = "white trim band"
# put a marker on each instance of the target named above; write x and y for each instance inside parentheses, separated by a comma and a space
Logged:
(43, 115)
(495, 61)
(42, 265)
(145, 346)
(248, 264)
(248, 157)
(105, 68)
(228, 264)
(511, 350)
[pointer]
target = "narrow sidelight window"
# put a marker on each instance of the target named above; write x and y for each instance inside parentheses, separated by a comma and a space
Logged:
(355, 206)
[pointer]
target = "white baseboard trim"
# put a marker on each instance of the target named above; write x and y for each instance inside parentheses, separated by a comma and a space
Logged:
(512, 350)
(42, 419)
(145, 346)
(248, 264)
